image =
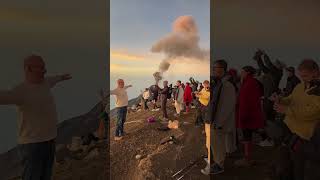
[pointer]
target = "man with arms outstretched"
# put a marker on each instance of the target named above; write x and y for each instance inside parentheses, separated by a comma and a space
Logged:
(37, 122)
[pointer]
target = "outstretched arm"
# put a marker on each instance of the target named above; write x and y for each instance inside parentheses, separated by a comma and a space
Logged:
(53, 80)
(269, 64)
(129, 86)
(261, 65)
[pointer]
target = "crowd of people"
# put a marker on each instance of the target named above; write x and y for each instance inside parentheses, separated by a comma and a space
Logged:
(234, 108)
(248, 104)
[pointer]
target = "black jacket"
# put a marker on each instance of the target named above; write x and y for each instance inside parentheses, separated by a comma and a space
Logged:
(292, 82)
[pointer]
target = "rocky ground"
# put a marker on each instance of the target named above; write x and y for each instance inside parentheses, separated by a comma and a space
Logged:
(162, 161)
(157, 161)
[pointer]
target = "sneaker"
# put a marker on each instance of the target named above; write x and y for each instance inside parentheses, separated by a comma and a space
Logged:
(217, 169)
(266, 143)
(206, 170)
(117, 138)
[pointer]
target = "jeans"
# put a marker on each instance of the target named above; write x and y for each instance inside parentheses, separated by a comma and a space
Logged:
(37, 160)
(122, 114)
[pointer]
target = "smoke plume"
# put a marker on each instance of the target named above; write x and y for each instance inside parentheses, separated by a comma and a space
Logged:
(182, 42)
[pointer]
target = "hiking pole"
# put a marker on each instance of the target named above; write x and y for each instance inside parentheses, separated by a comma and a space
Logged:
(191, 164)
(190, 168)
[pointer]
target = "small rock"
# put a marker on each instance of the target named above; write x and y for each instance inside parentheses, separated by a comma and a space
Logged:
(138, 156)
(92, 154)
(75, 145)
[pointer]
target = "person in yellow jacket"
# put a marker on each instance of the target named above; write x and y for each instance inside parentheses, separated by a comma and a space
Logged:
(302, 112)
(203, 101)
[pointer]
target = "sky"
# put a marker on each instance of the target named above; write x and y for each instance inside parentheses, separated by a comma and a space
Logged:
(135, 25)
(70, 36)
(286, 29)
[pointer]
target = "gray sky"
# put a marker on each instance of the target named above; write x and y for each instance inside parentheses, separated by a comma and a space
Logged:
(287, 29)
(71, 36)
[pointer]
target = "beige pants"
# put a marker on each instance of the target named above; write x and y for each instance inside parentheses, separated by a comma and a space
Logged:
(207, 131)
(219, 146)
(178, 106)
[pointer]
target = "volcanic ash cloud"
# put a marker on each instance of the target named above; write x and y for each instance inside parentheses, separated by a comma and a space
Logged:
(183, 41)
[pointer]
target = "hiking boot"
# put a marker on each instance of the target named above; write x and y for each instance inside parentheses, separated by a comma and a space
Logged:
(243, 163)
(117, 138)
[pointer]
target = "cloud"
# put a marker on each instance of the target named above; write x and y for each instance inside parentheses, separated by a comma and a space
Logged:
(126, 56)
(188, 67)
(129, 70)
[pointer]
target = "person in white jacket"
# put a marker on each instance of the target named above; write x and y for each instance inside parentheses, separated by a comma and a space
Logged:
(178, 98)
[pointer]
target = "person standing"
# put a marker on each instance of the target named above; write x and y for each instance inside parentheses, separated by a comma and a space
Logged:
(178, 98)
(164, 97)
(37, 123)
(202, 103)
(146, 96)
(121, 96)
(221, 115)
(272, 76)
(232, 137)
(302, 112)
(249, 113)
(154, 89)
(170, 92)
(201, 114)
(292, 81)
(187, 97)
